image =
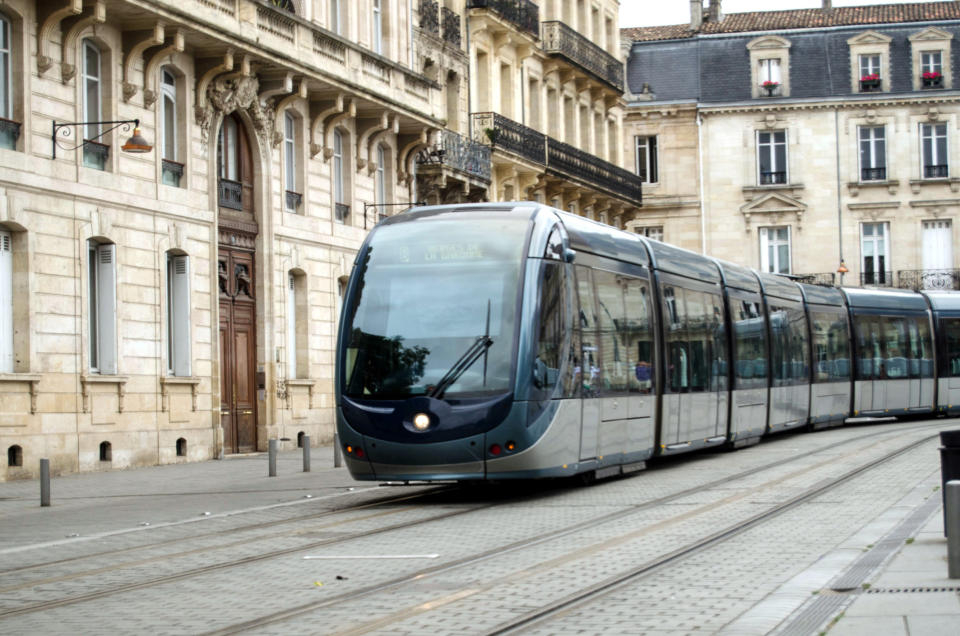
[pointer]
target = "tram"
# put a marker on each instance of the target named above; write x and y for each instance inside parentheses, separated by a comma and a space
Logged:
(503, 341)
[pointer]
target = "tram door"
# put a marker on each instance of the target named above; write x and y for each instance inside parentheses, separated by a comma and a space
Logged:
(238, 394)
(587, 323)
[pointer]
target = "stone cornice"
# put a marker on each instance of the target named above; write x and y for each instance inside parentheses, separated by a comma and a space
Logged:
(851, 104)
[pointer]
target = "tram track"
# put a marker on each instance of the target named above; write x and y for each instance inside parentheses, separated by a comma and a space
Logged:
(326, 543)
(472, 560)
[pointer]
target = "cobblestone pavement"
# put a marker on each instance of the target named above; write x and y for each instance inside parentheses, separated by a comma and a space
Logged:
(453, 562)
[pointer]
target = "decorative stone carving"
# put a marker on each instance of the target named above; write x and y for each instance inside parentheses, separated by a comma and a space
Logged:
(237, 93)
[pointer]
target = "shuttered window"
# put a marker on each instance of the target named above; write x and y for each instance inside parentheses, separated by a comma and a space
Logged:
(102, 278)
(178, 315)
(6, 302)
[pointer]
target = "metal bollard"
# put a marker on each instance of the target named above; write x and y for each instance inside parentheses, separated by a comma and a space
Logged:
(951, 520)
(44, 482)
(337, 460)
(272, 455)
(306, 453)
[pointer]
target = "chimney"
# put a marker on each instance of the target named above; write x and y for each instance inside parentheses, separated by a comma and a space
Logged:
(827, 5)
(696, 14)
(716, 14)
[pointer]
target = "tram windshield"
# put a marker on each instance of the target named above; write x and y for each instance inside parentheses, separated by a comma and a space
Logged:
(435, 309)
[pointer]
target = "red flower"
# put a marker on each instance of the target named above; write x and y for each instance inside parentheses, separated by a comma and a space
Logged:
(771, 83)
(931, 75)
(871, 76)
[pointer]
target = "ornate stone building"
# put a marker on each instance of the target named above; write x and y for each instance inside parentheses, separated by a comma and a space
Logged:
(181, 303)
(793, 140)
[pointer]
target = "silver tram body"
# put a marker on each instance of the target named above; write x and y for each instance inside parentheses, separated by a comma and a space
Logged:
(515, 341)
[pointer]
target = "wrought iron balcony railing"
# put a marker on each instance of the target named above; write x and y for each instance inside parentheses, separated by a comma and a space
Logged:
(558, 38)
(917, 279)
(824, 278)
(172, 172)
(569, 161)
(459, 153)
(293, 200)
(523, 14)
(451, 27)
(936, 172)
(95, 154)
(873, 174)
(877, 279)
(230, 194)
(341, 212)
(430, 16)
(773, 178)
(507, 134)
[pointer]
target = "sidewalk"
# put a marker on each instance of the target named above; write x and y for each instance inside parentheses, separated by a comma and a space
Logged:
(88, 504)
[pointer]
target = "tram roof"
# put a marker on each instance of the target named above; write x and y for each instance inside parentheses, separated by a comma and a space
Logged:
(603, 240)
(821, 295)
(738, 276)
(884, 299)
(944, 300)
(780, 287)
(677, 260)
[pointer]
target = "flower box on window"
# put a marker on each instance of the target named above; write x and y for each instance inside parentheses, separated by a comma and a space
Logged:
(771, 87)
(870, 83)
(932, 79)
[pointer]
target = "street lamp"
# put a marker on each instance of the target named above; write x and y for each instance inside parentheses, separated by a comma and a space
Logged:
(842, 270)
(136, 143)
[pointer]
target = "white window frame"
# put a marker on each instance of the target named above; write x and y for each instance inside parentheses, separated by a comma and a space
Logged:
(882, 240)
(168, 101)
(869, 135)
(930, 132)
(381, 180)
(770, 242)
(102, 305)
(931, 62)
(336, 17)
(870, 63)
(92, 88)
(770, 71)
(771, 147)
(654, 232)
(377, 10)
(6, 302)
(647, 147)
(289, 159)
(178, 315)
(6, 69)
(336, 171)
(291, 325)
(227, 143)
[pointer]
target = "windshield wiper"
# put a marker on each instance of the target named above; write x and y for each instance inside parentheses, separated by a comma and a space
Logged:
(471, 355)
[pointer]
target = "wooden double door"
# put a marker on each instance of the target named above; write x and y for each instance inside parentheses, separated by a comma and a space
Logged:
(238, 347)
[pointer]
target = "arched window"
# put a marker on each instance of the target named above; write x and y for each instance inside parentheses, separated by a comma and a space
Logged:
(172, 168)
(94, 153)
(6, 302)
(381, 180)
(292, 196)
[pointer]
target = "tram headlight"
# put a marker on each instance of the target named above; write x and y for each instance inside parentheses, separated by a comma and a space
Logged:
(421, 421)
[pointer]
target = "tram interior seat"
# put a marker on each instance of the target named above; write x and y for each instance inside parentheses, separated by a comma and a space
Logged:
(760, 368)
(841, 367)
(826, 367)
(866, 367)
(744, 368)
(955, 366)
(914, 368)
(926, 368)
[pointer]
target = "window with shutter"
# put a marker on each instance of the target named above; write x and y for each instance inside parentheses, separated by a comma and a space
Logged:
(103, 307)
(178, 315)
(291, 327)
(6, 303)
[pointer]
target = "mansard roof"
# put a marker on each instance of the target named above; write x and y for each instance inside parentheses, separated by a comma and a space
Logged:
(803, 19)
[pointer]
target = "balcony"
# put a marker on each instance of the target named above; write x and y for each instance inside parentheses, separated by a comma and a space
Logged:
(930, 80)
(508, 135)
(459, 153)
(917, 279)
(293, 200)
(341, 212)
(873, 174)
(870, 84)
(429, 16)
(9, 133)
(451, 27)
(936, 172)
(171, 172)
(573, 162)
(560, 39)
(522, 14)
(230, 194)
(876, 279)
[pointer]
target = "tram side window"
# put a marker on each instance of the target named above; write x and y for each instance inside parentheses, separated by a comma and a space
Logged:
(789, 345)
(699, 340)
(552, 327)
(611, 292)
(924, 347)
(751, 344)
(717, 329)
(637, 336)
(951, 338)
(587, 326)
(896, 348)
(675, 340)
(868, 345)
(831, 360)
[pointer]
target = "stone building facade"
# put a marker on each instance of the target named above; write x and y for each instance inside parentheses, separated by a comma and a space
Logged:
(181, 304)
(792, 141)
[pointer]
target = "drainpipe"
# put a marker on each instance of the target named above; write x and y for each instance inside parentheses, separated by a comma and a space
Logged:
(703, 216)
